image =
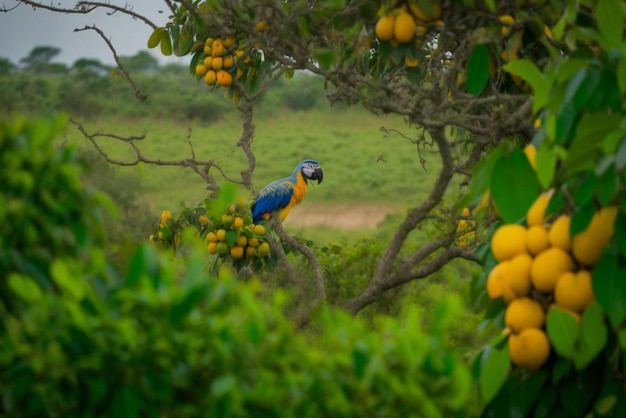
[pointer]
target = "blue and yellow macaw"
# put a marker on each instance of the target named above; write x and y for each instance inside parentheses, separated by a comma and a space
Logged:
(284, 194)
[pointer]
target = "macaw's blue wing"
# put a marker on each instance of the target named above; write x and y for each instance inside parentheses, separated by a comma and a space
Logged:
(276, 195)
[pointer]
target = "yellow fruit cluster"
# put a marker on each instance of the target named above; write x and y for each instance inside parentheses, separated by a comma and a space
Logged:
(220, 56)
(541, 267)
(403, 24)
(466, 227)
(169, 231)
(234, 236)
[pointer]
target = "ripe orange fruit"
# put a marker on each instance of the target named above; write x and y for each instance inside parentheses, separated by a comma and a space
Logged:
(548, 266)
(537, 239)
(212, 236)
(574, 291)
(253, 242)
(208, 62)
(201, 70)
(217, 63)
(210, 78)
(228, 42)
(536, 214)
(212, 247)
(229, 62)
(221, 235)
(516, 281)
(238, 222)
(529, 349)
(524, 313)
(237, 252)
(508, 241)
(259, 229)
(496, 278)
(558, 235)
(404, 28)
(203, 219)
(207, 49)
(411, 62)
(242, 241)
(217, 48)
(224, 78)
(385, 28)
(588, 245)
(250, 252)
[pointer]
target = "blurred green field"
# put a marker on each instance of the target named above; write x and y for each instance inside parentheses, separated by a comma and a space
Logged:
(362, 164)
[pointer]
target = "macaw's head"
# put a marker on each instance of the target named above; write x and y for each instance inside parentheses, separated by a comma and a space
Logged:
(311, 170)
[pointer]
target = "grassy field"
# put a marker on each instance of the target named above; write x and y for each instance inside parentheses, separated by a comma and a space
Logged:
(362, 164)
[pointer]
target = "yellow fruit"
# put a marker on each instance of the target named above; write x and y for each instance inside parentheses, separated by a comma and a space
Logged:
(222, 248)
(422, 15)
(201, 70)
(385, 28)
(411, 63)
(516, 280)
(253, 242)
(237, 252)
(524, 313)
(151, 239)
(212, 236)
(496, 278)
(203, 219)
(536, 214)
(261, 26)
(263, 250)
(404, 28)
(209, 41)
(529, 349)
(506, 20)
(221, 235)
(531, 153)
(212, 247)
(588, 245)
(548, 266)
(466, 212)
(250, 252)
(558, 236)
(508, 241)
(207, 50)
(242, 241)
(224, 78)
(229, 62)
(537, 239)
(217, 63)
(547, 31)
(238, 222)
(210, 78)
(228, 42)
(217, 48)
(165, 215)
(208, 63)
(240, 73)
(573, 291)
(259, 229)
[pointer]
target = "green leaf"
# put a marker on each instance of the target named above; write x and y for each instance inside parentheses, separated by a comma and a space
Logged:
(610, 16)
(325, 58)
(155, 37)
(482, 172)
(477, 69)
(563, 332)
(529, 72)
(545, 161)
(621, 74)
(180, 310)
(607, 188)
(580, 87)
(64, 278)
(583, 194)
(576, 394)
(222, 385)
(561, 367)
(620, 156)
(494, 372)
(593, 337)
(490, 5)
(289, 73)
(514, 186)
(609, 286)
(166, 44)
(125, 403)
(25, 288)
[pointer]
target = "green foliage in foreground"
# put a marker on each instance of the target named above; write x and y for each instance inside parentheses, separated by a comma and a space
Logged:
(162, 339)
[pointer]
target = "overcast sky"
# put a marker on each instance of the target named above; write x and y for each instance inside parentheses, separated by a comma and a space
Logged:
(23, 28)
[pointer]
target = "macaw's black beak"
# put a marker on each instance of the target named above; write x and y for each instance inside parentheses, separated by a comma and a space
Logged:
(318, 175)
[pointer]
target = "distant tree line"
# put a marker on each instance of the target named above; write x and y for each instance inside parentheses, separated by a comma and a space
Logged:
(88, 88)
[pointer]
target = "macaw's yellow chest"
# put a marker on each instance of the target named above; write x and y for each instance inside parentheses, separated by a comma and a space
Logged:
(299, 190)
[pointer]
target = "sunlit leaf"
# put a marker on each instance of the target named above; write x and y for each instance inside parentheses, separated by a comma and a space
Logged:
(25, 288)
(477, 69)
(530, 73)
(545, 161)
(166, 44)
(155, 38)
(610, 14)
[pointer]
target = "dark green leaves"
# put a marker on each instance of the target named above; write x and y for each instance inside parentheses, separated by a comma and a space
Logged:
(610, 13)
(563, 331)
(609, 284)
(514, 186)
(478, 69)
(494, 371)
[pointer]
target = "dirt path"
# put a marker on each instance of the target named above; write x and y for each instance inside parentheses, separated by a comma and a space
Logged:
(340, 216)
